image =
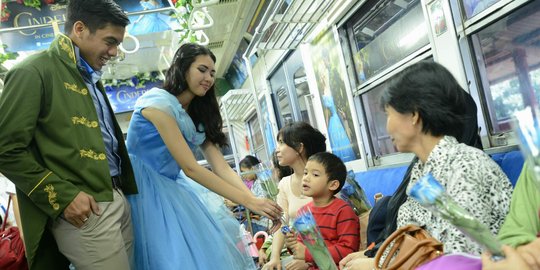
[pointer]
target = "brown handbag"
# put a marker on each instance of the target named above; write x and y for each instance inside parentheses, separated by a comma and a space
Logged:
(413, 246)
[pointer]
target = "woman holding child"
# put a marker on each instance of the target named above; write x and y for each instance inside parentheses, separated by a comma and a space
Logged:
(425, 109)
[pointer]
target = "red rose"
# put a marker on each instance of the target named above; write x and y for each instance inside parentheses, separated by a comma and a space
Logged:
(49, 2)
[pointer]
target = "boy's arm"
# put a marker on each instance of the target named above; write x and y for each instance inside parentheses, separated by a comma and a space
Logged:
(348, 231)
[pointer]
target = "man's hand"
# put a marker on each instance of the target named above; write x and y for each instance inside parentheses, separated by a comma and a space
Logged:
(78, 211)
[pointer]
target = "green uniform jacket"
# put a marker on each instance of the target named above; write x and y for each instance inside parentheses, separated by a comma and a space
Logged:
(51, 145)
(522, 223)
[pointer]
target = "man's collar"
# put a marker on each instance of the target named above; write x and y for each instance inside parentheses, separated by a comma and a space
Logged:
(85, 68)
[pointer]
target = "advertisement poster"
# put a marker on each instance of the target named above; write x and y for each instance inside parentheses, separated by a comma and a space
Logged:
(332, 89)
(124, 93)
(15, 14)
(270, 139)
(438, 21)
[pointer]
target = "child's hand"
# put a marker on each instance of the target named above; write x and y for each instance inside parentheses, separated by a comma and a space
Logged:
(299, 251)
(262, 257)
(297, 265)
(290, 240)
(512, 261)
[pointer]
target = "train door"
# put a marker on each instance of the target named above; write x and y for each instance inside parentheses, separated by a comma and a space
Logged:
(290, 92)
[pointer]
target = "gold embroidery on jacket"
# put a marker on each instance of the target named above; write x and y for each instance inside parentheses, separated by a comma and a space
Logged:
(66, 46)
(84, 121)
(74, 88)
(39, 183)
(92, 154)
(52, 196)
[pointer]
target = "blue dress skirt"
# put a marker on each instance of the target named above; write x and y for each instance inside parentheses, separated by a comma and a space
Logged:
(177, 224)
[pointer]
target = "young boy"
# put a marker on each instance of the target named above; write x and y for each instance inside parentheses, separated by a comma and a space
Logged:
(324, 176)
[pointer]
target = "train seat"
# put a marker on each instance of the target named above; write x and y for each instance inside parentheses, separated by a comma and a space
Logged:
(387, 180)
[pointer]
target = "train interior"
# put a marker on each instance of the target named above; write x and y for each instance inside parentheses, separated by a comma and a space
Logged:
(273, 54)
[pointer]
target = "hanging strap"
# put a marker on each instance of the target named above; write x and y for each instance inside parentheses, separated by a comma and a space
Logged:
(6, 215)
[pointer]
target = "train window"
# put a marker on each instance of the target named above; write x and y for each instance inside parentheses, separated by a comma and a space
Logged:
(256, 138)
(508, 56)
(473, 7)
(304, 97)
(380, 140)
(384, 32)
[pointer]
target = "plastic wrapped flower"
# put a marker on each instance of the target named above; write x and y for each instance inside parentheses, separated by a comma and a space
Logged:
(354, 195)
(307, 228)
(527, 127)
(264, 174)
(431, 194)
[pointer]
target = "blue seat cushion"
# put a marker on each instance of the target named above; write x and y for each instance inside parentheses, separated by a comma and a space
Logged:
(384, 181)
(387, 180)
(511, 163)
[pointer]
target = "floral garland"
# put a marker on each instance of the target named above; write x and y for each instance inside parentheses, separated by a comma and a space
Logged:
(138, 81)
(184, 9)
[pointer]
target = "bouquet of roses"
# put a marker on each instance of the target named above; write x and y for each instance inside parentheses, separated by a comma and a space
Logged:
(311, 236)
(527, 127)
(354, 195)
(430, 194)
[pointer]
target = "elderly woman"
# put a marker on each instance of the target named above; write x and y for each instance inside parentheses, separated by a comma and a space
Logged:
(425, 108)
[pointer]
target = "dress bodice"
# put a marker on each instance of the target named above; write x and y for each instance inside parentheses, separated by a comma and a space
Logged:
(145, 142)
(328, 102)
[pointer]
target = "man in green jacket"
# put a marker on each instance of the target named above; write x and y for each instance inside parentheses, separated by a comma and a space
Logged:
(63, 148)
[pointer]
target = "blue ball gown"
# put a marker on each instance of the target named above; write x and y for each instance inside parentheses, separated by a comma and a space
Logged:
(149, 23)
(177, 223)
(339, 141)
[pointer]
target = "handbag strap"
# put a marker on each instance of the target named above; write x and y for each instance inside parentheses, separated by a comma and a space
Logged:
(397, 235)
(6, 215)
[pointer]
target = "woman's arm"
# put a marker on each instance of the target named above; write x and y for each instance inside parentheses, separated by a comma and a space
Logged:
(177, 146)
(221, 167)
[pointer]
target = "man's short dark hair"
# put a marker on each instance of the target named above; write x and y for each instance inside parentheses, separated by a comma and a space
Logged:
(95, 14)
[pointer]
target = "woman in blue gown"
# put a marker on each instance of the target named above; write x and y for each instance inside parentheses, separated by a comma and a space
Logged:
(149, 23)
(339, 140)
(179, 224)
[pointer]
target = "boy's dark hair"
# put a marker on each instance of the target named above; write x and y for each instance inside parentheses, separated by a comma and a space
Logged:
(297, 133)
(429, 89)
(249, 161)
(95, 14)
(333, 165)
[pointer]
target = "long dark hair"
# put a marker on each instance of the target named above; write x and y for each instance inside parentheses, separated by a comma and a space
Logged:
(301, 133)
(202, 110)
